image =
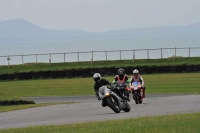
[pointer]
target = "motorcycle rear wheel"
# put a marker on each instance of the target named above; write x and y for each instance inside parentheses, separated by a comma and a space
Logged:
(140, 99)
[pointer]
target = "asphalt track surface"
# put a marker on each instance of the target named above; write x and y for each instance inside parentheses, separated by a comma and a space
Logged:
(90, 109)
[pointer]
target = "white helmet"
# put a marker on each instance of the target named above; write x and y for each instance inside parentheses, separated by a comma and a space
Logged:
(135, 72)
(96, 77)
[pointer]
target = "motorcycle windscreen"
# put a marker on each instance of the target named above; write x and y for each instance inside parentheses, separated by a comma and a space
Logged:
(135, 83)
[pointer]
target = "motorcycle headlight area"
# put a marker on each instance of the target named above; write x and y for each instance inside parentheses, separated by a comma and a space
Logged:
(107, 93)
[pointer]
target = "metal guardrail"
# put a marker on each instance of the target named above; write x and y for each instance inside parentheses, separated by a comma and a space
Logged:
(102, 55)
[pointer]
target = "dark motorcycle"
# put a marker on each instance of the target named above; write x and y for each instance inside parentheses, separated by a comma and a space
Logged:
(114, 101)
(122, 87)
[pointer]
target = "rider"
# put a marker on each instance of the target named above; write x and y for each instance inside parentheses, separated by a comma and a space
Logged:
(122, 78)
(100, 84)
(137, 77)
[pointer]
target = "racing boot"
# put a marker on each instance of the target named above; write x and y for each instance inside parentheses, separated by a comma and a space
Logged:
(133, 95)
(144, 92)
(128, 99)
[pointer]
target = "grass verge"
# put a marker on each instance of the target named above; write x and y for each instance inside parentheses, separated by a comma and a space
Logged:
(181, 123)
(19, 107)
(98, 64)
(7, 99)
(184, 83)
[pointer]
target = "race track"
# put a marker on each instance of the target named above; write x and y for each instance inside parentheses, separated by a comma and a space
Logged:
(90, 109)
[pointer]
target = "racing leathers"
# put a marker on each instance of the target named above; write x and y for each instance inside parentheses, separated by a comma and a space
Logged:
(140, 80)
(98, 86)
(123, 79)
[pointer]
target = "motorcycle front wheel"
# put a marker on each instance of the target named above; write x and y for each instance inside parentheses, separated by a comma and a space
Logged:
(136, 98)
(113, 105)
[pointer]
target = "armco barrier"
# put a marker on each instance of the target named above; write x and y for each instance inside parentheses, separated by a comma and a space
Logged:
(173, 69)
(88, 72)
(180, 68)
(77, 73)
(110, 71)
(150, 69)
(116, 70)
(85, 72)
(166, 69)
(142, 69)
(20, 75)
(57, 74)
(102, 71)
(190, 68)
(128, 70)
(196, 68)
(36, 75)
(93, 71)
(69, 73)
(158, 69)
(11, 76)
(28, 75)
(4, 76)
(45, 74)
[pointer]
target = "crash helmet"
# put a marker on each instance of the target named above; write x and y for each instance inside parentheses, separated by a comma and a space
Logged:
(97, 77)
(121, 72)
(135, 72)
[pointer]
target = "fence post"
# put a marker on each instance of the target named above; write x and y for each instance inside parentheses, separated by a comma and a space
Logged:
(50, 59)
(92, 55)
(78, 56)
(147, 53)
(8, 59)
(91, 61)
(120, 52)
(161, 52)
(134, 53)
(64, 57)
(22, 59)
(189, 51)
(175, 51)
(36, 57)
(106, 55)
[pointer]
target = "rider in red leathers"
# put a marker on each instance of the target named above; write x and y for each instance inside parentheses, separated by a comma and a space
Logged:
(137, 77)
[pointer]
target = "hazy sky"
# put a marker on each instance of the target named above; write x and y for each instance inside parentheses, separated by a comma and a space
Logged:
(101, 15)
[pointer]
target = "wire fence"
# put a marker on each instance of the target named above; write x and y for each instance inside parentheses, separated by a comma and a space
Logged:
(157, 53)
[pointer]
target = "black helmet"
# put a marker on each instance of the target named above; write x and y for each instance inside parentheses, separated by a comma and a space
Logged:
(121, 72)
(96, 77)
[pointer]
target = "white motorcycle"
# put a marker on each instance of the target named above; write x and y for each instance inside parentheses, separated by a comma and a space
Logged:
(113, 100)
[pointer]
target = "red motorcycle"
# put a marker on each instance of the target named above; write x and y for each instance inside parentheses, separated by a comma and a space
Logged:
(137, 92)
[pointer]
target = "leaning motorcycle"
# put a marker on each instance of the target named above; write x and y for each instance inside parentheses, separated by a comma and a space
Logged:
(137, 92)
(113, 100)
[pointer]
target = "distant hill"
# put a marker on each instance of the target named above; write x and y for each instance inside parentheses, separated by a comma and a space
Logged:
(21, 30)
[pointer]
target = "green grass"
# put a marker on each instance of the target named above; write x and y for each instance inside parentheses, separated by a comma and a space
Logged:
(19, 107)
(181, 123)
(97, 64)
(184, 83)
